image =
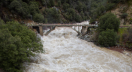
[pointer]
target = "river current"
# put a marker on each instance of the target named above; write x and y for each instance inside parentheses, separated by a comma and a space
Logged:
(65, 52)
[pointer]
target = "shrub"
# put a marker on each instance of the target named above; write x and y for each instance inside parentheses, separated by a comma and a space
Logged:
(124, 15)
(108, 21)
(17, 44)
(78, 18)
(107, 38)
(33, 7)
(70, 14)
(110, 6)
(127, 38)
(19, 7)
(16, 6)
(1, 21)
(66, 6)
(53, 15)
(38, 18)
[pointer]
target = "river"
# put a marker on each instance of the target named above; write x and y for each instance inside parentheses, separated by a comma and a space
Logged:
(65, 52)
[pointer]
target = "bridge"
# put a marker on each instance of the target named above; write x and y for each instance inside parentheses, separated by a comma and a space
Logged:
(39, 27)
(77, 27)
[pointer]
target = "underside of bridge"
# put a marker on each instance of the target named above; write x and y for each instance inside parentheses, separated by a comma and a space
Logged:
(84, 29)
(36, 28)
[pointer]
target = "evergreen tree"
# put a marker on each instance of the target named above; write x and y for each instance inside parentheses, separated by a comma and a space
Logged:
(17, 44)
(107, 38)
(108, 21)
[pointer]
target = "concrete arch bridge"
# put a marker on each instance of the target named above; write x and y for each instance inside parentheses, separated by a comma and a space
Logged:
(81, 29)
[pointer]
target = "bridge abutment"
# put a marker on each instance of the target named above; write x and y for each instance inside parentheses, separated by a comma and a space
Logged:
(41, 30)
(84, 30)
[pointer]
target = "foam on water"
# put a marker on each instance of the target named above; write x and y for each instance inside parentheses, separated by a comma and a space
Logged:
(65, 52)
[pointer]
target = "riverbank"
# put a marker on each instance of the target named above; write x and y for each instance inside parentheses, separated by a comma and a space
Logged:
(121, 49)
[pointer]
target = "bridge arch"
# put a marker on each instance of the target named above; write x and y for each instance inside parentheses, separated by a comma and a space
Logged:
(79, 28)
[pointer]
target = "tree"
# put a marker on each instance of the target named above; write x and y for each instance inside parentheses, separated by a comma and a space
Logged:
(107, 29)
(17, 44)
(33, 7)
(124, 15)
(38, 18)
(53, 15)
(20, 8)
(107, 38)
(108, 21)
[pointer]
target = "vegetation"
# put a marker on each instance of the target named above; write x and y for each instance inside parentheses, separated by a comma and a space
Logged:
(64, 10)
(17, 44)
(124, 15)
(38, 18)
(125, 37)
(108, 21)
(52, 15)
(107, 29)
(107, 38)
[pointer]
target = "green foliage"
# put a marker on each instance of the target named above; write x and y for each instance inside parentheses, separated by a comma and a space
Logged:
(59, 3)
(80, 6)
(114, 1)
(33, 7)
(109, 25)
(17, 44)
(66, 6)
(126, 38)
(130, 20)
(53, 15)
(107, 38)
(50, 3)
(38, 18)
(122, 31)
(16, 5)
(19, 7)
(110, 6)
(124, 15)
(43, 2)
(78, 18)
(68, 9)
(108, 21)
(1, 21)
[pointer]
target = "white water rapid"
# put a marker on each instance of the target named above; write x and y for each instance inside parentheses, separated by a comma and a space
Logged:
(65, 52)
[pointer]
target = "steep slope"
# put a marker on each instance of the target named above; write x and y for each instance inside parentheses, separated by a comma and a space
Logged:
(124, 12)
(54, 11)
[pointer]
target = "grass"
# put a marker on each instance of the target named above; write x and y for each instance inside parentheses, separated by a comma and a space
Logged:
(122, 31)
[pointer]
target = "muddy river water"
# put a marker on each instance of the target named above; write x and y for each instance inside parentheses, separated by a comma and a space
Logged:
(65, 52)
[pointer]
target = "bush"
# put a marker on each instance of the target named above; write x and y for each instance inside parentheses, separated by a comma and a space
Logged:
(108, 21)
(33, 7)
(53, 15)
(17, 44)
(38, 18)
(107, 38)
(78, 18)
(19, 7)
(110, 6)
(126, 38)
(124, 15)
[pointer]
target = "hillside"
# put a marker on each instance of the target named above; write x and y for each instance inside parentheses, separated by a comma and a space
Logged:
(124, 12)
(55, 11)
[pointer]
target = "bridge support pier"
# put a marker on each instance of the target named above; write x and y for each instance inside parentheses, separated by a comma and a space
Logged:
(41, 30)
(84, 30)
(51, 29)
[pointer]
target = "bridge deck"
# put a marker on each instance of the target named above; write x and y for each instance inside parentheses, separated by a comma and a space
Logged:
(69, 25)
(62, 25)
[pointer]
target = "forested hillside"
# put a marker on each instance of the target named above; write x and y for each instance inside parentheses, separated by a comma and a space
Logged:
(55, 11)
